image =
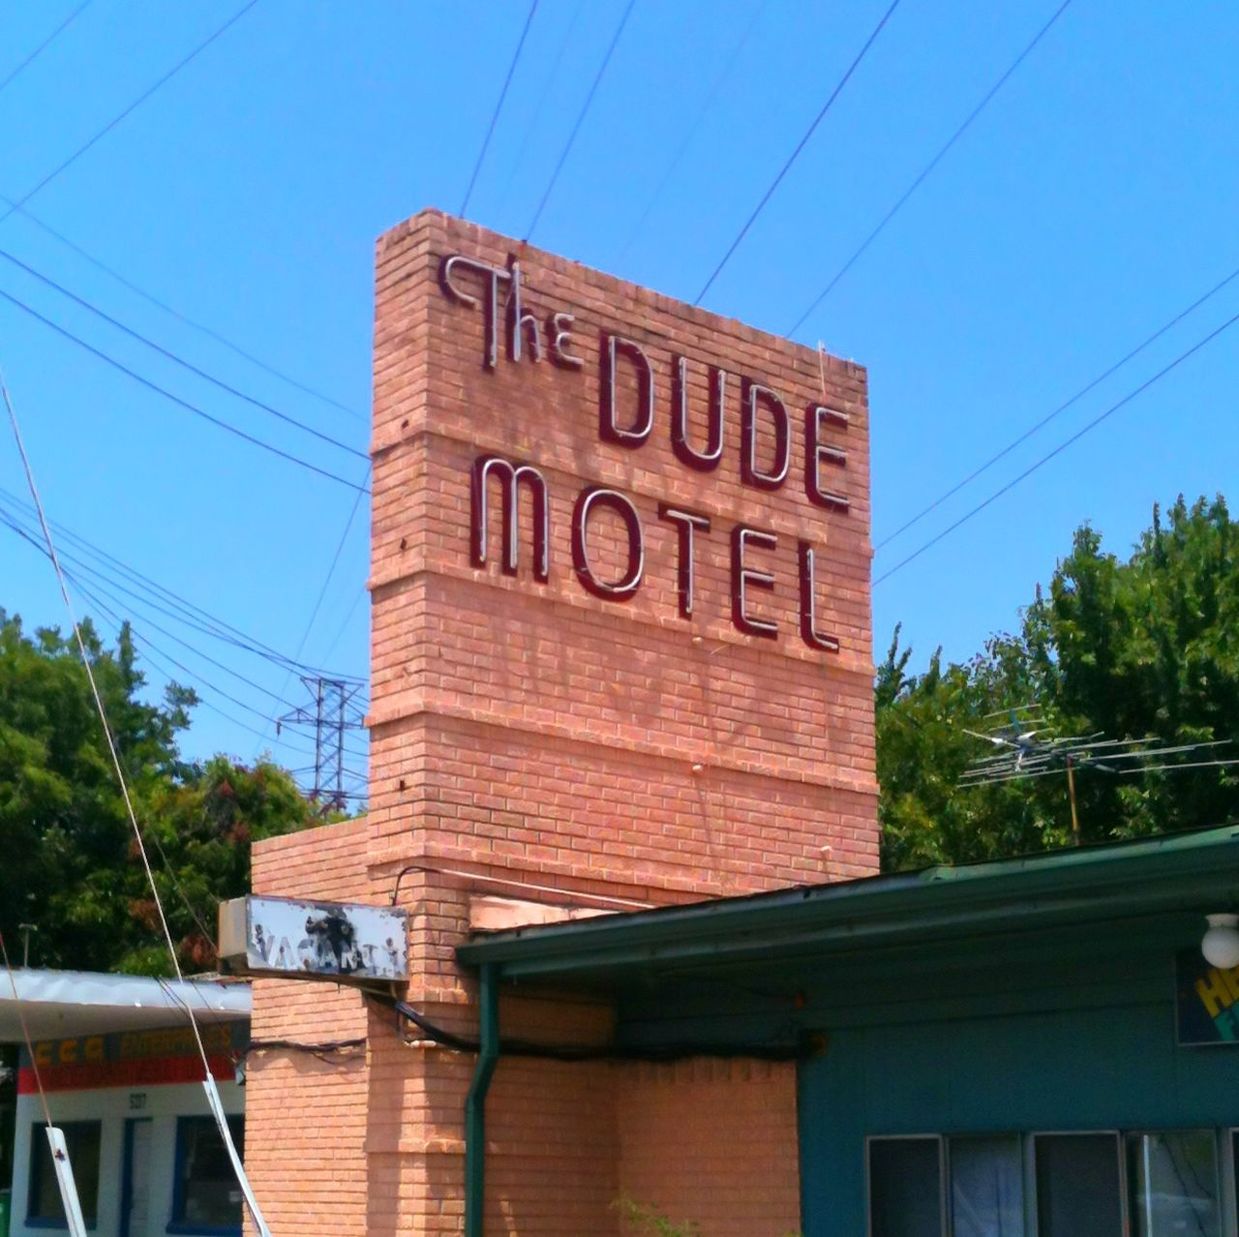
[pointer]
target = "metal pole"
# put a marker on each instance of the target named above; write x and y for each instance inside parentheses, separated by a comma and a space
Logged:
(475, 1102)
(340, 750)
(1071, 795)
(318, 740)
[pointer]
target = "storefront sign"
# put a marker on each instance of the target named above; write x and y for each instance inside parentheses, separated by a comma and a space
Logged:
(133, 1058)
(631, 393)
(1206, 1001)
(316, 940)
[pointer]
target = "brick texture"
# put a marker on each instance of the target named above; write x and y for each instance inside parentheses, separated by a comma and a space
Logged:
(531, 738)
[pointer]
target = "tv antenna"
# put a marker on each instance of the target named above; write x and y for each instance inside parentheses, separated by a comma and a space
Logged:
(330, 715)
(1026, 747)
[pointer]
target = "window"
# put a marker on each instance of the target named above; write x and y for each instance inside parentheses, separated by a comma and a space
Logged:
(206, 1197)
(1106, 1184)
(1078, 1185)
(987, 1187)
(82, 1142)
(1172, 1182)
(905, 1187)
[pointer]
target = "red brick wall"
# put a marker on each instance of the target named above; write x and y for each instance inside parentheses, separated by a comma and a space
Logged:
(530, 732)
(305, 1118)
(712, 1142)
(537, 727)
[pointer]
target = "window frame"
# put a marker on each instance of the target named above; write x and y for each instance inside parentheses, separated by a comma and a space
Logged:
(189, 1227)
(1033, 1209)
(1224, 1189)
(34, 1175)
(941, 1140)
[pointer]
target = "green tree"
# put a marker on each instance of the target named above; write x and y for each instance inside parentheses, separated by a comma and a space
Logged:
(1146, 646)
(71, 865)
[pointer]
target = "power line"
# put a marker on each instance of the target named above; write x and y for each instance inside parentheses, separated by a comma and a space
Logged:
(322, 592)
(929, 167)
(1062, 446)
(42, 47)
(817, 120)
(192, 615)
(691, 132)
(1079, 395)
(580, 120)
(173, 312)
(92, 593)
(127, 111)
(547, 81)
(218, 422)
(503, 94)
(176, 359)
(209, 1079)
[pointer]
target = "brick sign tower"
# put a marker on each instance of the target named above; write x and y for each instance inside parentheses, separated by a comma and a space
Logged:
(620, 658)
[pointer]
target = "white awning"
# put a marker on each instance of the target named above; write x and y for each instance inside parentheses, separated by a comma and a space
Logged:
(58, 1004)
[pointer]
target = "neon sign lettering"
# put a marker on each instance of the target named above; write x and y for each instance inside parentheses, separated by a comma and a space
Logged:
(627, 415)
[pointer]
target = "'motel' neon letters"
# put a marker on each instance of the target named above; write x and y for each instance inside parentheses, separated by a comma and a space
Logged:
(514, 331)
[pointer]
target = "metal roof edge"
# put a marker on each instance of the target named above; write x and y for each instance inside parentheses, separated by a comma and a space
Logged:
(1133, 877)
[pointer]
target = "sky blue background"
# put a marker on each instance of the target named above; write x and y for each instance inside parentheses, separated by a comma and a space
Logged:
(1094, 199)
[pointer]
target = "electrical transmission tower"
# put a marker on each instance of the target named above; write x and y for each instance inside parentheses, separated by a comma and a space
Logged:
(329, 716)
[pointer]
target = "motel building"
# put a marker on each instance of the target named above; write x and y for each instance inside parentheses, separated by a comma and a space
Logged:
(622, 790)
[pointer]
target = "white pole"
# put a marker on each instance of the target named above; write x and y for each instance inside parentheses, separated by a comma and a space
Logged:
(64, 1179)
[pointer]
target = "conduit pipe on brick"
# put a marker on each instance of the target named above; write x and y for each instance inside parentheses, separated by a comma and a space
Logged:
(475, 1101)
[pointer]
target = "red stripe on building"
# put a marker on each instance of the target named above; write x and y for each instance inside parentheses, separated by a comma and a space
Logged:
(152, 1072)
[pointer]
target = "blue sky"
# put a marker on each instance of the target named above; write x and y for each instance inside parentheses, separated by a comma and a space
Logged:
(1090, 202)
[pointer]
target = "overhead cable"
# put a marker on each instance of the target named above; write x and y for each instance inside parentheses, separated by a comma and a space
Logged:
(503, 94)
(208, 1082)
(1068, 403)
(580, 120)
(817, 120)
(183, 610)
(322, 592)
(99, 134)
(1062, 446)
(176, 359)
(929, 167)
(218, 422)
(548, 80)
(686, 141)
(13, 74)
(183, 318)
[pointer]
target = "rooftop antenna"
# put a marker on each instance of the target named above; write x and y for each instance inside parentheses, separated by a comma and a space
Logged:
(1024, 746)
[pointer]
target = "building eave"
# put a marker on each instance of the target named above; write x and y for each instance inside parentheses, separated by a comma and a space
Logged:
(1187, 872)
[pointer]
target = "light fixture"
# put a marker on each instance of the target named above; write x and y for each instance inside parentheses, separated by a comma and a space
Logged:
(1220, 945)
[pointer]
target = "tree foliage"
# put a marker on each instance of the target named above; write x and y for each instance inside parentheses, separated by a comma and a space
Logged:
(1138, 647)
(71, 867)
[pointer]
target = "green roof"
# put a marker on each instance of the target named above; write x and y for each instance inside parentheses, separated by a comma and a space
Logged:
(1185, 872)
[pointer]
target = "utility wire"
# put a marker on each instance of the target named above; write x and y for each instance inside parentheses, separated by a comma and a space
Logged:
(580, 120)
(322, 592)
(929, 167)
(687, 140)
(103, 585)
(503, 94)
(173, 312)
(42, 47)
(183, 611)
(547, 81)
(127, 111)
(817, 120)
(150, 648)
(1062, 446)
(176, 359)
(218, 422)
(1079, 395)
(212, 1092)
